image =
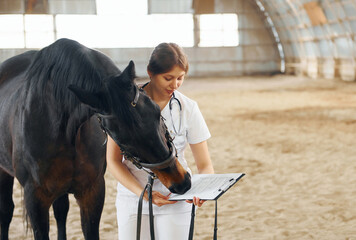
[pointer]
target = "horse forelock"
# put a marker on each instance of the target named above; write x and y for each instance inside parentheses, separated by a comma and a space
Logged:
(122, 91)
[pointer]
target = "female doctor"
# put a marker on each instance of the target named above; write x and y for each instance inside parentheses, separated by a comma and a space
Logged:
(167, 68)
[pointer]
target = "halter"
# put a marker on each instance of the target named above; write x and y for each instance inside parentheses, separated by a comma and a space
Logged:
(153, 166)
(136, 160)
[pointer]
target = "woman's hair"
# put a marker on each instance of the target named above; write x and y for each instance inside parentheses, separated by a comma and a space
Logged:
(165, 56)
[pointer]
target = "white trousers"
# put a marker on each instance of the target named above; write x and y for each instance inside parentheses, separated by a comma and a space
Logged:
(166, 226)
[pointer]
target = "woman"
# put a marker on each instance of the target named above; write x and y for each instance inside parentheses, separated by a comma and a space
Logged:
(167, 68)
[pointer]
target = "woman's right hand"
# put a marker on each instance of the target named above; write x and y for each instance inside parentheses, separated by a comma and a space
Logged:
(159, 199)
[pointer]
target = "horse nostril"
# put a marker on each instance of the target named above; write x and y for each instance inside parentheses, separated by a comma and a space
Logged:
(182, 187)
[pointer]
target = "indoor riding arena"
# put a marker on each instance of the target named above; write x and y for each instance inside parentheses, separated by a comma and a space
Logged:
(274, 80)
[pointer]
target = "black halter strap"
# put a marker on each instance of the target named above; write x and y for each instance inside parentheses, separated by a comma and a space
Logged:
(142, 165)
(147, 188)
(137, 95)
(154, 166)
(191, 228)
(133, 104)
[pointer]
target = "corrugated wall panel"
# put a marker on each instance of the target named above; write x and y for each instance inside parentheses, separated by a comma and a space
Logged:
(72, 6)
(12, 6)
(171, 6)
(314, 49)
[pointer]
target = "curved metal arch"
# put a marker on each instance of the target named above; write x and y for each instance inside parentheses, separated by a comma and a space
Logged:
(292, 31)
(275, 33)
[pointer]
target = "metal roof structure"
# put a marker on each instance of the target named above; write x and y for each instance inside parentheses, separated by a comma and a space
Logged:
(312, 38)
(315, 38)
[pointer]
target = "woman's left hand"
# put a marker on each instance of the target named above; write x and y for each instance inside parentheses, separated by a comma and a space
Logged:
(196, 201)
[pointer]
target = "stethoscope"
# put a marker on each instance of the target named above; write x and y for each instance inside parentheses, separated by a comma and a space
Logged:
(173, 98)
(171, 101)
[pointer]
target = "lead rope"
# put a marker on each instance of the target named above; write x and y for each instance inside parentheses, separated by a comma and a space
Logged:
(191, 229)
(148, 187)
(216, 221)
(150, 207)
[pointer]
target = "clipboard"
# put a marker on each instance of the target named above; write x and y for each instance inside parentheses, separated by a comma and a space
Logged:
(208, 186)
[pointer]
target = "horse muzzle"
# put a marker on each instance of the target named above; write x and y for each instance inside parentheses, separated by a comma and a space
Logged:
(181, 188)
(174, 177)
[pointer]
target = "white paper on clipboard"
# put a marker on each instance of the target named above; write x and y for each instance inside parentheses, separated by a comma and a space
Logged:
(208, 186)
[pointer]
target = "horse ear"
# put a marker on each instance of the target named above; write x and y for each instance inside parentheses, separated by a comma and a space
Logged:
(93, 100)
(129, 71)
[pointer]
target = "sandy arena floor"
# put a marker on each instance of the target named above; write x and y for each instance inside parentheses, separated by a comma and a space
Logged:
(293, 137)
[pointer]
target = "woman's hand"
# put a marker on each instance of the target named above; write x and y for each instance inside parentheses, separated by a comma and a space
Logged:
(159, 199)
(196, 201)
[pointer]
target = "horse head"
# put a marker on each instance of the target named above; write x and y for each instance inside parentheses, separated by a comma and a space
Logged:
(133, 120)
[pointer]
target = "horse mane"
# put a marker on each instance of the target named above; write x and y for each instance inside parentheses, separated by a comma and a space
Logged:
(61, 64)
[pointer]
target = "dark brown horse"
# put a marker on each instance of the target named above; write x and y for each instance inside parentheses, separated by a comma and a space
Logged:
(51, 139)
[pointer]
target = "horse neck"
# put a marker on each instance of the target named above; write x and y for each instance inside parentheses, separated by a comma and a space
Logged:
(76, 119)
(64, 119)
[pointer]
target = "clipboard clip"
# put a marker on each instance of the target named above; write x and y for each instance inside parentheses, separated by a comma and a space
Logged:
(226, 185)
